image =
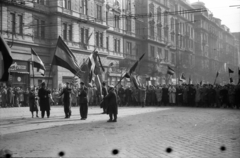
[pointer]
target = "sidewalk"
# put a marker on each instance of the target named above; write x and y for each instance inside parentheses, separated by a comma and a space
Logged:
(13, 120)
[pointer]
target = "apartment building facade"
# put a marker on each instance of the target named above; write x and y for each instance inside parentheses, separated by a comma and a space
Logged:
(167, 31)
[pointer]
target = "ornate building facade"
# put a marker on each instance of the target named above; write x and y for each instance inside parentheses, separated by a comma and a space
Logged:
(169, 32)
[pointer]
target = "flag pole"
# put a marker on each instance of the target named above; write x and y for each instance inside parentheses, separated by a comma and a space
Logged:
(33, 71)
(52, 62)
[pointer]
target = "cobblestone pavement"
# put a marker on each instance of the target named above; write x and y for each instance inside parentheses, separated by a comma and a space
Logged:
(143, 132)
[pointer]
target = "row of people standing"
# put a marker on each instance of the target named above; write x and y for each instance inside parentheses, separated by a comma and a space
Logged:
(187, 95)
(13, 97)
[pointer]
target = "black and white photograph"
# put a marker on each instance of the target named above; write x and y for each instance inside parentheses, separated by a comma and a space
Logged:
(120, 78)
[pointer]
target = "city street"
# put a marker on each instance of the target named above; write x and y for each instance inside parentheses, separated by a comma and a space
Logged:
(171, 132)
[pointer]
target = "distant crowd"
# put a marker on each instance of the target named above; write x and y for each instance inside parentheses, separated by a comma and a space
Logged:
(207, 95)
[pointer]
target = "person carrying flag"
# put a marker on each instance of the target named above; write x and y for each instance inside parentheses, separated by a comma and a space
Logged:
(67, 92)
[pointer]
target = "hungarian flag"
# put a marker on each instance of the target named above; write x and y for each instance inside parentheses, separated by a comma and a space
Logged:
(65, 58)
(133, 68)
(134, 81)
(182, 78)
(170, 71)
(230, 71)
(5, 59)
(37, 62)
(216, 78)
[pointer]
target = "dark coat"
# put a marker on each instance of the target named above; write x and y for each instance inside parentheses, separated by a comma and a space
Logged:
(43, 95)
(83, 97)
(111, 100)
(103, 103)
(67, 95)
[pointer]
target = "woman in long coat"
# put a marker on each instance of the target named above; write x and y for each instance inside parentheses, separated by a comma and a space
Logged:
(172, 94)
(33, 102)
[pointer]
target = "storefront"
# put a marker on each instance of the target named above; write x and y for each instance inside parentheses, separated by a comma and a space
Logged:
(19, 74)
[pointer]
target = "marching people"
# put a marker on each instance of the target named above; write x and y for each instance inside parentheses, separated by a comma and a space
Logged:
(44, 97)
(83, 101)
(67, 91)
(158, 94)
(112, 107)
(33, 102)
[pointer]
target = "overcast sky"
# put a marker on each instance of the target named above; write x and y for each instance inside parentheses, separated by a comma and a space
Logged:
(230, 16)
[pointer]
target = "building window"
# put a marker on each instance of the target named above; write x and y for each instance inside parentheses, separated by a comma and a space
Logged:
(115, 45)
(160, 53)
(101, 39)
(152, 50)
(118, 45)
(70, 32)
(129, 48)
(99, 12)
(41, 2)
(128, 3)
(152, 30)
(116, 20)
(107, 17)
(97, 39)
(65, 31)
(84, 7)
(159, 15)
(86, 36)
(13, 22)
(82, 35)
(166, 55)
(107, 43)
(128, 21)
(42, 29)
(20, 26)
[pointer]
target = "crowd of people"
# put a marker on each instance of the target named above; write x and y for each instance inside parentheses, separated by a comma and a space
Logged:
(206, 95)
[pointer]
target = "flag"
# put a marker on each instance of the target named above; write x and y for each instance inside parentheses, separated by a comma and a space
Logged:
(182, 78)
(133, 68)
(91, 67)
(231, 80)
(230, 71)
(190, 80)
(98, 85)
(216, 78)
(38, 62)
(170, 71)
(134, 81)
(65, 58)
(225, 67)
(5, 59)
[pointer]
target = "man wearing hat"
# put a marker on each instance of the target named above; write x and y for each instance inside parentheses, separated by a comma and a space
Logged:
(112, 107)
(44, 95)
(103, 103)
(83, 101)
(67, 100)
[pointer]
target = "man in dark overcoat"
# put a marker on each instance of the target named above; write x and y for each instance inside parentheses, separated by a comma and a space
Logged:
(104, 93)
(112, 107)
(165, 95)
(83, 101)
(44, 96)
(67, 100)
